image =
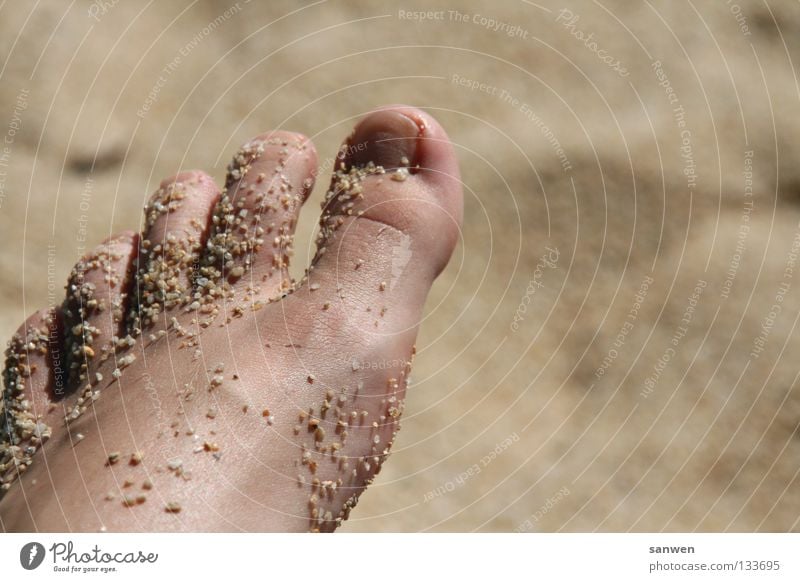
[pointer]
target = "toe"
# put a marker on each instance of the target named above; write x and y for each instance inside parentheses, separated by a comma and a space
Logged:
(397, 169)
(96, 305)
(389, 226)
(391, 219)
(33, 379)
(254, 223)
(177, 220)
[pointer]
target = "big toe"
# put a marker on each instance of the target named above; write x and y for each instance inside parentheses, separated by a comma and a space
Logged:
(393, 212)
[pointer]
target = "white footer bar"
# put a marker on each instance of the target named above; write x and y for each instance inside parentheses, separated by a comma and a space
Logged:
(389, 557)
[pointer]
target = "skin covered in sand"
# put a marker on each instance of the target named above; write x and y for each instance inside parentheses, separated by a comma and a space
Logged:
(206, 390)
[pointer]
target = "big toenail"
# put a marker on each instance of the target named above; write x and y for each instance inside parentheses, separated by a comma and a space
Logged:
(386, 138)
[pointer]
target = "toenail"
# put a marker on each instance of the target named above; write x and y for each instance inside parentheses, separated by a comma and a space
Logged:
(385, 138)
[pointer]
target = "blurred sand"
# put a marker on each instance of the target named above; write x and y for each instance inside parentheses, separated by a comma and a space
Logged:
(508, 426)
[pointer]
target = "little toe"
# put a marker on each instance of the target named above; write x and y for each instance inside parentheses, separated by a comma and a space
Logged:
(33, 379)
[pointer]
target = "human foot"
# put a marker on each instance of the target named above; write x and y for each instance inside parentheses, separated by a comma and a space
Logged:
(202, 389)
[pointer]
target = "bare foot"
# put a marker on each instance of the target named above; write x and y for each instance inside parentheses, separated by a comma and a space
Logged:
(187, 384)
